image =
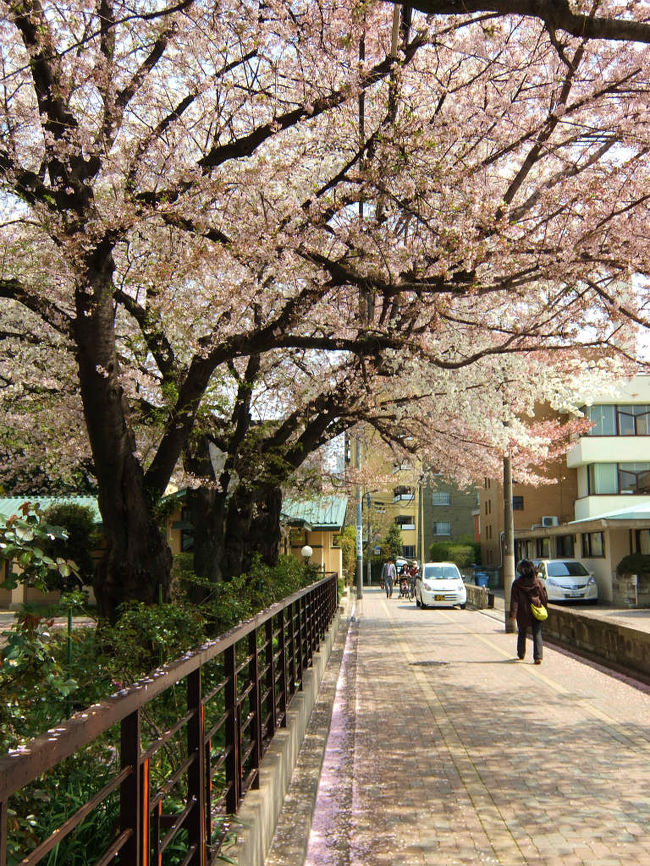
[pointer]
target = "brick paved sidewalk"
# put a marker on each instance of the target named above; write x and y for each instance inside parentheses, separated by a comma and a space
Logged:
(445, 750)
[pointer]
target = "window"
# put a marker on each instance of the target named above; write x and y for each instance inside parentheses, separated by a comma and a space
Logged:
(615, 478)
(602, 478)
(442, 527)
(604, 419)
(401, 492)
(441, 498)
(408, 551)
(633, 420)
(634, 477)
(642, 541)
(405, 520)
(593, 545)
(517, 503)
(564, 545)
(543, 546)
(626, 420)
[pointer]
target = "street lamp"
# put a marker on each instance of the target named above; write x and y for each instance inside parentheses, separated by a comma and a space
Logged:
(306, 553)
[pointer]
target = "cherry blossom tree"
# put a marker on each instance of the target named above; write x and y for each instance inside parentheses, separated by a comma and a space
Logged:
(189, 191)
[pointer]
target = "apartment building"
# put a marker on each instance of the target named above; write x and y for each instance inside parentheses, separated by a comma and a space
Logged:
(425, 512)
(598, 507)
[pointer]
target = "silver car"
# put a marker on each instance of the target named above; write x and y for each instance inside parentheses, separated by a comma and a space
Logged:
(567, 580)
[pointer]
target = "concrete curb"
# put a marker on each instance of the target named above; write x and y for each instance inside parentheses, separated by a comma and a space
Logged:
(260, 809)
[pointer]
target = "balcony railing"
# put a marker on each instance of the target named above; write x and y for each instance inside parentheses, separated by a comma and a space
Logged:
(184, 744)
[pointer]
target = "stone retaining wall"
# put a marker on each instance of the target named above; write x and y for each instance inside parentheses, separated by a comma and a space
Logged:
(631, 590)
(479, 597)
(613, 642)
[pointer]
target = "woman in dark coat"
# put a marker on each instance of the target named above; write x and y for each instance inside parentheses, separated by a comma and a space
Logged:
(528, 588)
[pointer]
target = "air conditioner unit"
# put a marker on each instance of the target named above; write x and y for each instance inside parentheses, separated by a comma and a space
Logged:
(550, 521)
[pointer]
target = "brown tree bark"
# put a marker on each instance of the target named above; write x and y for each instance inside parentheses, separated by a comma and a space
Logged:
(137, 563)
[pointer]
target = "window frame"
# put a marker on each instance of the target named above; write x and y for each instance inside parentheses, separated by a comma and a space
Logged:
(589, 551)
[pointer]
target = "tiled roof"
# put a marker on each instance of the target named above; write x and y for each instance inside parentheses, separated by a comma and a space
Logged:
(11, 505)
(326, 512)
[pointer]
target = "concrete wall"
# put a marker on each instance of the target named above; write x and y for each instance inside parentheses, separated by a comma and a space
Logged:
(608, 640)
(260, 809)
(479, 597)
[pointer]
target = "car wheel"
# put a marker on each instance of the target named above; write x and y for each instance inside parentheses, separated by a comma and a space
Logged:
(463, 606)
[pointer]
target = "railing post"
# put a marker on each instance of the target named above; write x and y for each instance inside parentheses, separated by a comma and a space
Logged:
(131, 817)
(300, 639)
(233, 760)
(3, 833)
(294, 663)
(255, 705)
(284, 695)
(196, 771)
(270, 678)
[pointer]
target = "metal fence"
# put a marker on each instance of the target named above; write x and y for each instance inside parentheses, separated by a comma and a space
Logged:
(181, 747)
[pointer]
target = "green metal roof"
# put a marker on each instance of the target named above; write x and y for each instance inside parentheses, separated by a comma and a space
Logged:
(11, 505)
(634, 512)
(326, 512)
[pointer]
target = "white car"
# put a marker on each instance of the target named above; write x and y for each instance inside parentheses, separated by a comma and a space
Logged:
(440, 584)
(567, 580)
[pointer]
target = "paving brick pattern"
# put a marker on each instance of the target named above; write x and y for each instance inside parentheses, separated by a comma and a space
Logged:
(444, 749)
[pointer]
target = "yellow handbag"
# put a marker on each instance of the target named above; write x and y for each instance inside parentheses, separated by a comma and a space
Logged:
(539, 612)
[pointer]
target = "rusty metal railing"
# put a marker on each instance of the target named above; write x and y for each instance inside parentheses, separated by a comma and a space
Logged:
(187, 740)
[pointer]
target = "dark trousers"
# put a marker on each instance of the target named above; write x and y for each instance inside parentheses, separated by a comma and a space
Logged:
(538, 649)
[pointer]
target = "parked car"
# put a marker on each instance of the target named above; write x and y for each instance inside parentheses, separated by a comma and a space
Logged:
(567, 580)
(439, 584)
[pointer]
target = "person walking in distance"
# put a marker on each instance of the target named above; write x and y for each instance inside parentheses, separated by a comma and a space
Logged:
(389, 574)
(526, 590)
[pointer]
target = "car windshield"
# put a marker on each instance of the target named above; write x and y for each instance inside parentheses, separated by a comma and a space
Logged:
(562, 569)
(440, 572)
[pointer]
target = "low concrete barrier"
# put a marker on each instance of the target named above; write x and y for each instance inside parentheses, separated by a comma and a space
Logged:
(479, 597)
(616, 644)
(257, 818)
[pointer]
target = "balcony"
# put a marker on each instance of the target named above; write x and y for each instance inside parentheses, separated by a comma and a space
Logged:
(609, 449)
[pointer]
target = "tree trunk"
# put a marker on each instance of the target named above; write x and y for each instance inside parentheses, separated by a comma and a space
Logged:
(137, 564)
(265, 526)
(252, 527)
(207, 512)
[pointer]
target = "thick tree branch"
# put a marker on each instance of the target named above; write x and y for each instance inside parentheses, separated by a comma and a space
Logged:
(50, 313)
(556, 15)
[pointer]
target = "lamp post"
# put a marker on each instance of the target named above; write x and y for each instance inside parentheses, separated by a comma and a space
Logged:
(306, 553)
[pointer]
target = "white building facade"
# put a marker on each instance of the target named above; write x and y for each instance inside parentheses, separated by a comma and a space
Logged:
(612, 508)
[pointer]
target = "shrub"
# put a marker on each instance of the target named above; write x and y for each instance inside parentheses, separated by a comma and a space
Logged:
(347, 542)
(634, 563)
(463, 555)
(23, 539)
(392, 543)
(79, 525)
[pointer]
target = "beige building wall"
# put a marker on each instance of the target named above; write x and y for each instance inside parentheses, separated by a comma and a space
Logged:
(553, 501)
(326, 554)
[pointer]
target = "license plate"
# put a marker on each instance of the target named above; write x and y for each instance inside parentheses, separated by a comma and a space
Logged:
(438, 598)
(575, 593)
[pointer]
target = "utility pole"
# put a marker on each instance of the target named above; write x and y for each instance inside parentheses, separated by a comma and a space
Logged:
(369, 546)
(508, 540)
(359, 522)
(420, 550)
